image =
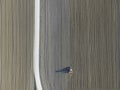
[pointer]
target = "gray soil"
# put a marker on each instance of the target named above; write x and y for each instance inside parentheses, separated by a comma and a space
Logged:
(85, 35)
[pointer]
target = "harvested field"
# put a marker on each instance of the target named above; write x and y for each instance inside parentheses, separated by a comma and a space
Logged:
(16, 44)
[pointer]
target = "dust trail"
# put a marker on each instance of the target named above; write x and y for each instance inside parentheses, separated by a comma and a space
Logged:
(36, 46)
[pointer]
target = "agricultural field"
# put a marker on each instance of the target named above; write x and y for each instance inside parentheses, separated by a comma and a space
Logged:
(16, 44)
(85, 35)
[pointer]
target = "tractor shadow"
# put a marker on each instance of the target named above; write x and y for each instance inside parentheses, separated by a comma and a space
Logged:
(63, 70)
